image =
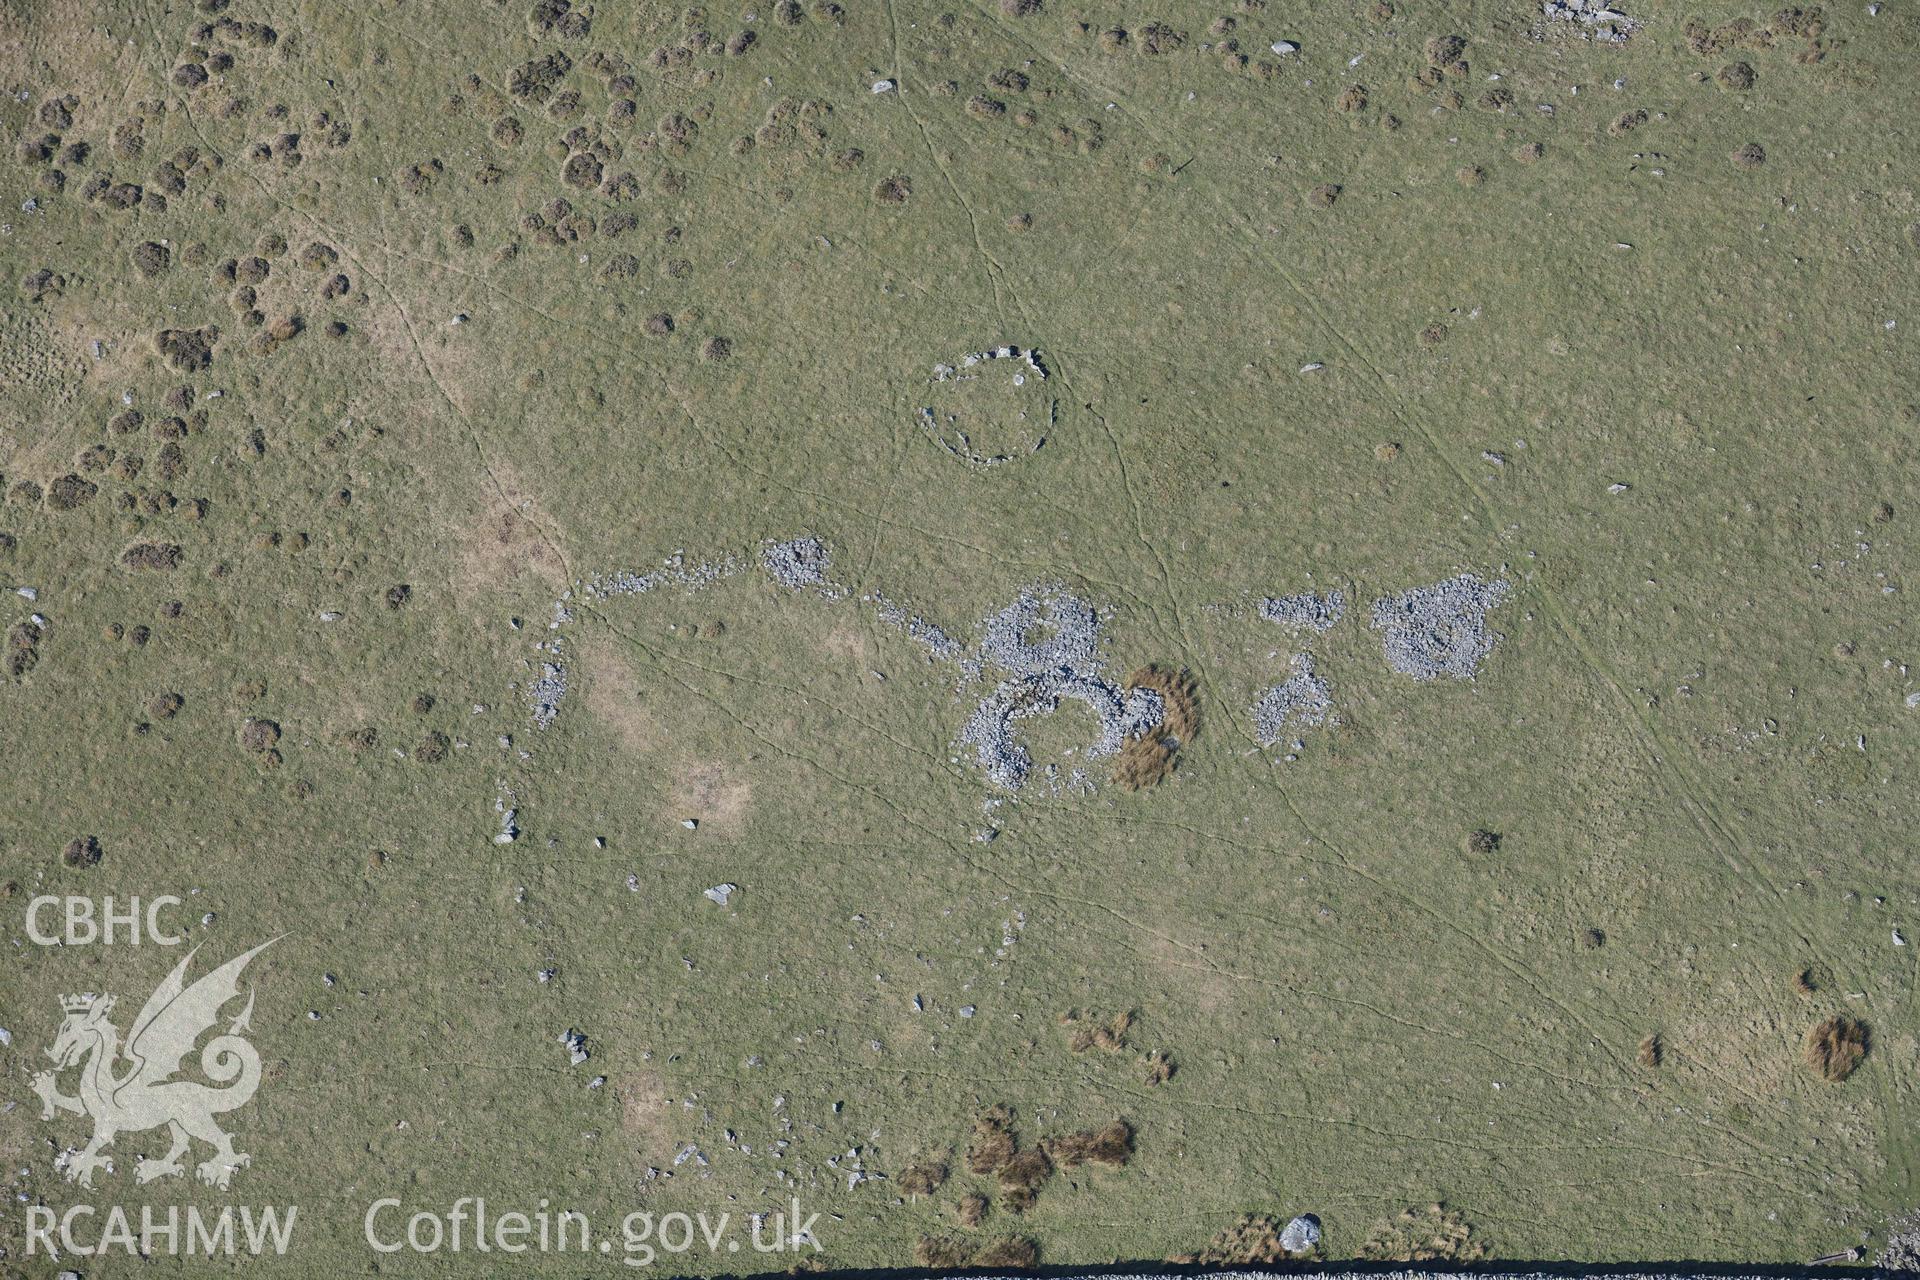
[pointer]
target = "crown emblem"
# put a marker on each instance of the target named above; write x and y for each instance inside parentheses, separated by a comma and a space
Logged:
(78, 1003)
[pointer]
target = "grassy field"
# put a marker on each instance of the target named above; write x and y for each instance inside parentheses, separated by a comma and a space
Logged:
(493, 301)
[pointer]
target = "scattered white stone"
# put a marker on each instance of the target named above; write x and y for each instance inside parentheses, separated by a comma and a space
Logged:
(721, 892)
(883, 86)
(691, 824)
(1284, 47)
(1899, 940)
(1313, 367)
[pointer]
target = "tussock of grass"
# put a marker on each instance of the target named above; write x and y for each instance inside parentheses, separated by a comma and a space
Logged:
(1143, 762)
(1433, 1234)
(1652, 1050)
(1836, 1046)
(1084, 1032)
(972, 1209)
(1253, 1240)
(1111, 1145)
(1015, 1252)
(924, 1178)
(1022, 1177)
(993, 1143)
(942, 1253)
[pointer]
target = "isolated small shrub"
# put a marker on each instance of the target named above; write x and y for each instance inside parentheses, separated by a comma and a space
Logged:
(259, 735)
(82, 851)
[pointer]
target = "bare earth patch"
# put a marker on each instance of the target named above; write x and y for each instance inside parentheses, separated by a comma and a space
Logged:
(712, 794)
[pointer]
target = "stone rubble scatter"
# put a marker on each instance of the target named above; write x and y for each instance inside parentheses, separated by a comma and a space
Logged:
(939, 644)
(1303, 698)
(546, 692)
(1306, 610)
(549, 688)
(945, 372)
(1608, 23)
(674, 572)
(509, 817)
(1046, 649)
(1071, 631)
(797, 563)
(1440, 629)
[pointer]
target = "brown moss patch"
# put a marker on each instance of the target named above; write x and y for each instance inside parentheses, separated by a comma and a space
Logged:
(993, 1141)
(1253, 1240)
(1110, 1145)
(1143, 762)
(1836, 1046)
(1433, 1234)
(1022, 1177)
(1016, 1253)
(1092, 1031)
(942, 1253)
(923, 1178)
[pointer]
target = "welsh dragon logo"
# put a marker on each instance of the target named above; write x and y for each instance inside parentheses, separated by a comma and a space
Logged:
(132, 1089)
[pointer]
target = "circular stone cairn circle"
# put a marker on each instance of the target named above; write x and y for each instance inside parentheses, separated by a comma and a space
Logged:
(1047, 642)
(947, 429)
